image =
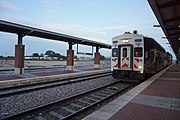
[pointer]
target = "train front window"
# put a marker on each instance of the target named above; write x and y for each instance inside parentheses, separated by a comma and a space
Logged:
(124, 52)
(114, 52)
(138, 51)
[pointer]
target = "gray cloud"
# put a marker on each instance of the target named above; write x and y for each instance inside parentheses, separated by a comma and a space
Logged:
(78, 31)
(51, 6)
(6, 6)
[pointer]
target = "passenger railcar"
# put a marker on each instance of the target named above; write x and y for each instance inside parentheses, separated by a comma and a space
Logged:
(135, 57)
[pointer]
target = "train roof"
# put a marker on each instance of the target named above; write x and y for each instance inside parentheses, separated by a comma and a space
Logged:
(135, 34)
(126, 34)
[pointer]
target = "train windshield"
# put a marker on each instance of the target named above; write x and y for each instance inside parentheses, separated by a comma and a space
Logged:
(124, 52)
(138, 52)
(114, 52)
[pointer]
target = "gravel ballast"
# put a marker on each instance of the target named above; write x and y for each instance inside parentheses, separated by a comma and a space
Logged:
(18, 103)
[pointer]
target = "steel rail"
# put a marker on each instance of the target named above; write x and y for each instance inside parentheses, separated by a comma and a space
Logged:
(35, 87)
(40, 109)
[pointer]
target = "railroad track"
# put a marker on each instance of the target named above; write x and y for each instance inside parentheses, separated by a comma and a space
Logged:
(6, 92)
(71, 107)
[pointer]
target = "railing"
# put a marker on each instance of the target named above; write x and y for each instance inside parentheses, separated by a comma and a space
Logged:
(59, 66)
(8, 63)
(30, 67)
(35, 67)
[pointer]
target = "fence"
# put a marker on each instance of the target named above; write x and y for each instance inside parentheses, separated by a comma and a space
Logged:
(6, 63)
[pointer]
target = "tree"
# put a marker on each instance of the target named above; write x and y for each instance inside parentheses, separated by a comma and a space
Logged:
(50, 53)
(102, 57)
(41, 55)
(57, 55)
(75, 57)
(10, 57)
(63, 57)
(35, 55)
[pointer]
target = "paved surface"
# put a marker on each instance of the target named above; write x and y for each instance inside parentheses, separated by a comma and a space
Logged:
(33, 76)
(10, 75)
(158, 98)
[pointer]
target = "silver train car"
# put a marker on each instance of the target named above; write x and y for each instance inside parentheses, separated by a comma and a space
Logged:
(136, 57)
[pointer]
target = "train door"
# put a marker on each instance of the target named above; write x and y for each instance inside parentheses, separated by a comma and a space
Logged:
(125, 57)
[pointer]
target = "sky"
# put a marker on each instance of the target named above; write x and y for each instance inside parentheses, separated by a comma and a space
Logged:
(97, 20)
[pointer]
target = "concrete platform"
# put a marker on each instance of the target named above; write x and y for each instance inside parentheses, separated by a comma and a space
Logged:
(39, 75)
(158, 98)
(8, 73)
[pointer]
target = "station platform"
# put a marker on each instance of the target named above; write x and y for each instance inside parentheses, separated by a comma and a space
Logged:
(158, 98)
(34, 76)
(8, 74)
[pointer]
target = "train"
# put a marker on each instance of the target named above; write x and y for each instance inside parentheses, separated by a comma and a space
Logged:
(136, 57)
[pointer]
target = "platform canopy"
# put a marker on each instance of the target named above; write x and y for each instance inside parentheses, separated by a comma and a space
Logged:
(10, 27)
(167, 13)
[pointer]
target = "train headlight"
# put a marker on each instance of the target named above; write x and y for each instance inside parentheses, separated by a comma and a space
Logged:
(125, 41)
(140, 67)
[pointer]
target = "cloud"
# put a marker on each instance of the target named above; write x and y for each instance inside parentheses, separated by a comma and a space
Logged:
(51, 6)
(118, 29)
(6, 6)
(7, 11)
(112, 28)
(78, 31)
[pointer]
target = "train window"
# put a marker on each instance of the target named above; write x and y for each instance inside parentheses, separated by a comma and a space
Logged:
(138, 40)
(114, 52)
(146, 55)
(115, 41)
(124, 52)
(138, 51)
(152, 56)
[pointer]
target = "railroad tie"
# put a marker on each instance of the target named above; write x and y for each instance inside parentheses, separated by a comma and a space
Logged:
(69, 110)
(56, 114)
(40, 118)
(76, 105)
